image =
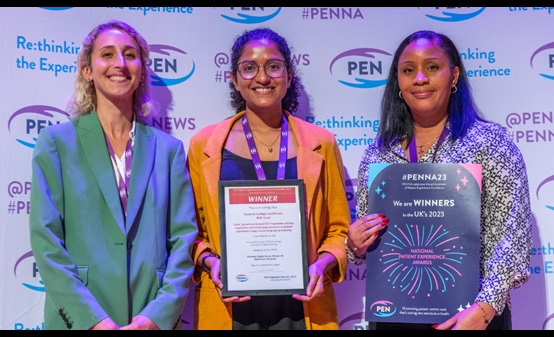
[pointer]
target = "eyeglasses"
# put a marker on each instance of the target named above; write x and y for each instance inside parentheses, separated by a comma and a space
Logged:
(273, 68)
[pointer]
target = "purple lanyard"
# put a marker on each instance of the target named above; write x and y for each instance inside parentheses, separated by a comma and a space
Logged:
(254, 152)
(123, 186)
(413, 150)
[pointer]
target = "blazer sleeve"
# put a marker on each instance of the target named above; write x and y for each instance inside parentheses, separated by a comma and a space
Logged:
(46, 226)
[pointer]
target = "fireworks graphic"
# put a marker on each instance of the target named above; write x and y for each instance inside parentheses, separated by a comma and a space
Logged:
(421, 260)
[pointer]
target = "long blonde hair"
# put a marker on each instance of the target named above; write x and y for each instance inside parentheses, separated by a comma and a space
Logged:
(84, 97)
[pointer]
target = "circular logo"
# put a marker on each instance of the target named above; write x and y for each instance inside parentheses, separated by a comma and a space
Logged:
(241, 278)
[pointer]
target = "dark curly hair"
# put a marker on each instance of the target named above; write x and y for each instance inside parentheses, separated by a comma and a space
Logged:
(290, 101)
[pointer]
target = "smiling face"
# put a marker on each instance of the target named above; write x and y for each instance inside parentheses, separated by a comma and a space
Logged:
(262, 93)
(426, 79)
(116, 67)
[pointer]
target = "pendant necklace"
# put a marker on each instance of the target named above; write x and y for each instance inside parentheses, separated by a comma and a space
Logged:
(269, 147)
(420, 151)
(414, 149)
(254, 151)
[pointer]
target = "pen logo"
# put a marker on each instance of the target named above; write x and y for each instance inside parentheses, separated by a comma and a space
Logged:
(249, 15)
(542, 61)
(27, 122)
(26, 268)
(170, 65)
(241, 278)
(382, 308)
(547, 198)
(549, 318)
(56, 8)
(362, 68)
(352, 322)
(452, 14)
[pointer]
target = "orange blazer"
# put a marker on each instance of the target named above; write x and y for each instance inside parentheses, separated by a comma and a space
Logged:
(320, 165)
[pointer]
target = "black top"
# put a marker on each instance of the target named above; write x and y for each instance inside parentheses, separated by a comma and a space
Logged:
(234, 167)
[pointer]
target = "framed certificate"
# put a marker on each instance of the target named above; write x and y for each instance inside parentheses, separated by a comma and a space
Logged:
(263, 237)
(424, 266)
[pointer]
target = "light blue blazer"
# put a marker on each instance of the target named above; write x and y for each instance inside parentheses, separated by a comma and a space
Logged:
(93, 261)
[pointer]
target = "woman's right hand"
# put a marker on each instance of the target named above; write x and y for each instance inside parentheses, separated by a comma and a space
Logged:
(364, 231)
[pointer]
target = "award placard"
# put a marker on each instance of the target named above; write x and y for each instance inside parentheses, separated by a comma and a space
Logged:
(424, 266)
(263, 240)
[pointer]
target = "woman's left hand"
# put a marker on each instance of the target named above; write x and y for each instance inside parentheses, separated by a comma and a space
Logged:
(317, 271)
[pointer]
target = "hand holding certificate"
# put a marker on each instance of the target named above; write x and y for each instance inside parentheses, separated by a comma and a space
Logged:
(263, 237)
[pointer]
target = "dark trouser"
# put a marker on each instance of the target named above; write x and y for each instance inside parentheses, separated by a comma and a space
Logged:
(502, 322)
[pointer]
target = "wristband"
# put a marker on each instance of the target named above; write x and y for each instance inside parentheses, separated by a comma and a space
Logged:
(485, 316)
(204, 266)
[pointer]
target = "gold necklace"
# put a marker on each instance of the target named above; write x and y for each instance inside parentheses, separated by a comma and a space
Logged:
(420, 152)
(269, 147)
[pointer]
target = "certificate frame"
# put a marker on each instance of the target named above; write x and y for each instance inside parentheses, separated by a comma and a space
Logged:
(263, 237)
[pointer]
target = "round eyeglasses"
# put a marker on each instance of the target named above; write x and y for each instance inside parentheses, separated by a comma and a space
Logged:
(273, 68)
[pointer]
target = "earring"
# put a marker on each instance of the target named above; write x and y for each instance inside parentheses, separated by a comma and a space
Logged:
(400, 95)
(454, 89)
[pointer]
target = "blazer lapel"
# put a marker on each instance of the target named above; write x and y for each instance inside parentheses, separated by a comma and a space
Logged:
(309, 162)
(144, 152)
(94, 145)
(211, 167)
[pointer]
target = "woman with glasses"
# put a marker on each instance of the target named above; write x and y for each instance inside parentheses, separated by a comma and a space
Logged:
(263, 141)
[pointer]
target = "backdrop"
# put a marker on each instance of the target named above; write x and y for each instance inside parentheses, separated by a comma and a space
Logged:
(343, 55)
